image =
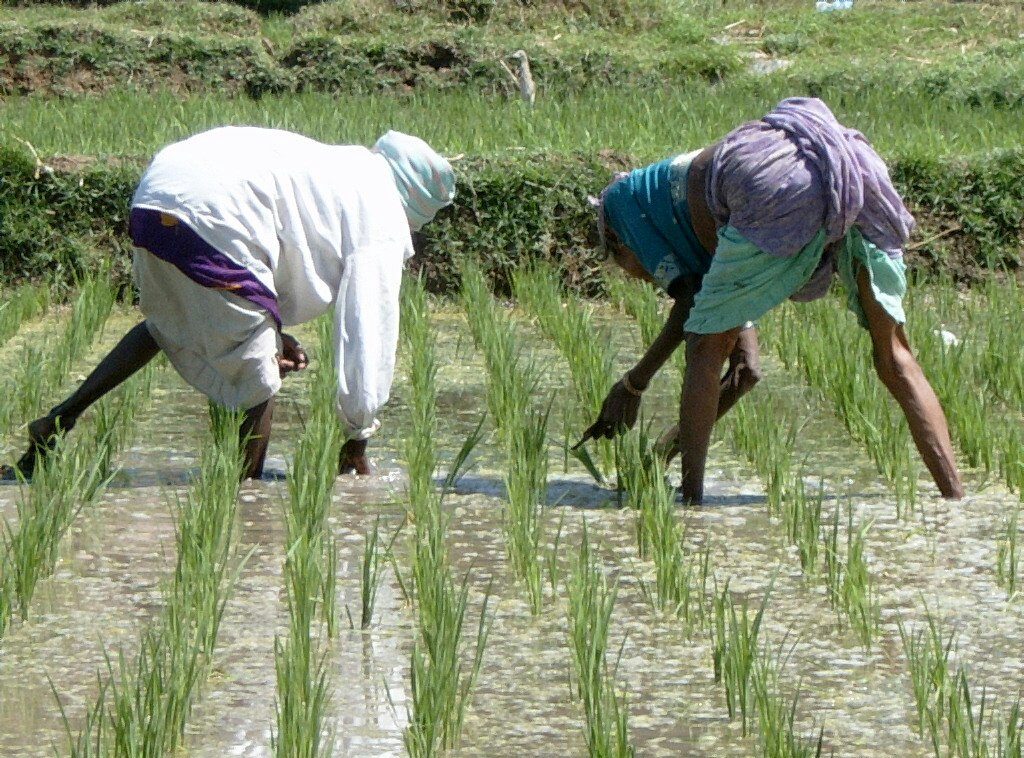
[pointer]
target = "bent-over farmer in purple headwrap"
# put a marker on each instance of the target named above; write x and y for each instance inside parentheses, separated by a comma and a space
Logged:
(770, 212)
(241, 231)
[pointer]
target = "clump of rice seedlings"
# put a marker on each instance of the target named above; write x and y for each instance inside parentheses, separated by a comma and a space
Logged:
(591, 601)
(927, 650)
(801, 517)
(660, 536)
(521, 428)
(778, 736)
(768, 442)
(735, 650)
(441, 684)
(585, 346)
(24, 304)
(375, 557)
(849, 583)
(1007, 557)
(309, 571)
(146, 702)
(526, 483)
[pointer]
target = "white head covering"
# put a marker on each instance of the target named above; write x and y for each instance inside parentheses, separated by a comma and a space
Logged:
(425, 180)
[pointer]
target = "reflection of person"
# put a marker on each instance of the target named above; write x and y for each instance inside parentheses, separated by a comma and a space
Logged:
(240, 231)
(770, 212)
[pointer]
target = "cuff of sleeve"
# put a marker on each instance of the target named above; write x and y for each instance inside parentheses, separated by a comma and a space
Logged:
(360, 433)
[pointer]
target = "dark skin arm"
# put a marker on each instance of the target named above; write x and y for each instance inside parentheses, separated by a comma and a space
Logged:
(902, 376)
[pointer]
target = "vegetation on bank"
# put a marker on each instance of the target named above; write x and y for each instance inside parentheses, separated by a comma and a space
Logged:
(968, 53)
(68, 218)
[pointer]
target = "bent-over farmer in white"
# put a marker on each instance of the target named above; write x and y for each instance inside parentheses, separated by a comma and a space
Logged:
(240, 231)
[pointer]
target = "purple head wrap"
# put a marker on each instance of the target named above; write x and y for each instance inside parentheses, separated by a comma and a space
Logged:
(780, 179)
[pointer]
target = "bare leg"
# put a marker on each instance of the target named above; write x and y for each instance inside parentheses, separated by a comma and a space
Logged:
(135, 350)
(352, 459)
(743, 374)
(255, 436)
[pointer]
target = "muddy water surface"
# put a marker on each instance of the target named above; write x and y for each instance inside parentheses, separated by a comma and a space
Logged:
(107, 588)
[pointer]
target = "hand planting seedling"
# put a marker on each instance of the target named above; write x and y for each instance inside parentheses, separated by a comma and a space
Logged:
(323, 227)
(726, 261)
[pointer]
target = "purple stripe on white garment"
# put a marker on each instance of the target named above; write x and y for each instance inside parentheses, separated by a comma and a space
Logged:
(180, 246)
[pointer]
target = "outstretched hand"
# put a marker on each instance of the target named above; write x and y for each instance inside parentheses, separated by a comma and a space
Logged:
(618, 413)
(292, 357)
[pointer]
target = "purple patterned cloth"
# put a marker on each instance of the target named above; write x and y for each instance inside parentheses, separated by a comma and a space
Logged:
(172, 240)
(781, 179)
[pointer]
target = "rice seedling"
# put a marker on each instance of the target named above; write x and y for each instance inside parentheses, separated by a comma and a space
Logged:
(310, 572)
(441, 685)
(584, 346)
(778, 735)
(734, 643)
(1007, 557)
(591, 600)
(849, 583)
(522, 429)
(660, 536)
(375, 556)
(146, 702)
(24, 304)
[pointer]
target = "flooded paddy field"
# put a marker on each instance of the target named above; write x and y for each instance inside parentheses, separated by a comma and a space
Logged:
(927, 561)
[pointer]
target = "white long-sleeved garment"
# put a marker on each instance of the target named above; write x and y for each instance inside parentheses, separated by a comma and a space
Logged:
(318, 225)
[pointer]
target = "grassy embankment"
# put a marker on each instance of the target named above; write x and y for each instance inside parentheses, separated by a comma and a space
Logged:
(934, 89)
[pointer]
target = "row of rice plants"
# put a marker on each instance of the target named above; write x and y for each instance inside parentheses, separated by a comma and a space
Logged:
(440, 682)
(144, 703)
(845, 376)
(67, 480)
(679, 585)
(591, 601)
(767, 437)
(522, 428)
(20, 306)
(1008, 559)
(42, 366)
(585, 346)
(309, 571)
(949, 715)
(751, 673)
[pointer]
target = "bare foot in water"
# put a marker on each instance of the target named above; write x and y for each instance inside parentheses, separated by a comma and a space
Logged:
(42, 438)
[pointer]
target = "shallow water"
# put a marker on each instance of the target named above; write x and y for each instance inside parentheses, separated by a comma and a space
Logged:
(107, 587)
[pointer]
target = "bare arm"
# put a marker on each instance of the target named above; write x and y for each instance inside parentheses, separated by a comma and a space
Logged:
(698, 411)
(622, 406)
(903, 377)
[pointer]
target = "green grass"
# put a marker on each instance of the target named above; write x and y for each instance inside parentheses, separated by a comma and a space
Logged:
(137, 124)
(1008, 561)
(849, 583)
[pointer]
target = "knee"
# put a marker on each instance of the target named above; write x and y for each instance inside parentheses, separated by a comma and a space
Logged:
(895, 368)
